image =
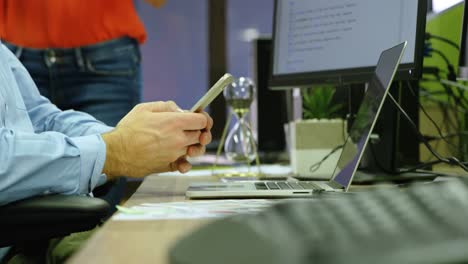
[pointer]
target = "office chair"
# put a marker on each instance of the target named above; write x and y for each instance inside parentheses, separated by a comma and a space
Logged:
(46, 217)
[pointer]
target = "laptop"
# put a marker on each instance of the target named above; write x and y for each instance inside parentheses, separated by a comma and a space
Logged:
(350, 157)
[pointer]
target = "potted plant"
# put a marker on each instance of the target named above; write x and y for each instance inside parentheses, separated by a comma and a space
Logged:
(316, 139)
(317, 103)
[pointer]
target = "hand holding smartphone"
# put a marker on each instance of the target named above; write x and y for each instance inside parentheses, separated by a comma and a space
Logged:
(213, 92)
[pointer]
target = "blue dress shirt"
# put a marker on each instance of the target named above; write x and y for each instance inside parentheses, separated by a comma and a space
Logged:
(43, 150)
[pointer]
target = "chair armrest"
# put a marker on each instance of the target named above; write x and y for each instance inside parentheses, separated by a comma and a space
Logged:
(49, 216)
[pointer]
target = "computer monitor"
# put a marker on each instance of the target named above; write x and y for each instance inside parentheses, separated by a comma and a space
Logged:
(339, 41)
(463, 59)
(271, 105)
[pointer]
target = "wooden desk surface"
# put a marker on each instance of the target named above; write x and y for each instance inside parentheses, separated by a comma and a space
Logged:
(141, 241)
(146, 241)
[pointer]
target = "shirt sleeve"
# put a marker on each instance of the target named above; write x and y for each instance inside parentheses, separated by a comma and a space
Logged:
(63, 152)
(40, 164)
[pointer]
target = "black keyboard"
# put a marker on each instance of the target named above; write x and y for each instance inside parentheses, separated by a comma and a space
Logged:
(286, 185)
(425, 223)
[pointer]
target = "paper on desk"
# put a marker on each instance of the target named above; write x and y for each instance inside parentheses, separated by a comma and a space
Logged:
(210, 159)
(190, 210)
(271, 170)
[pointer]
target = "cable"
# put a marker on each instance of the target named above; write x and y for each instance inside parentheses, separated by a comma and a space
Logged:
(314, 167)
(443, 39)
(451, 160)
(452, 76)
(445, 114)
(429, 50)
(442, 55)
(410, 86)
(460, 88)
(463, 133)
(400, 171)
(415, 128)
(446, 108)
(430, 96)
(420, 166)
(457, 93)
(458, 100)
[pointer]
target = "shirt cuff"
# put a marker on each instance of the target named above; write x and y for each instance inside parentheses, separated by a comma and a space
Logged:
(93, 155)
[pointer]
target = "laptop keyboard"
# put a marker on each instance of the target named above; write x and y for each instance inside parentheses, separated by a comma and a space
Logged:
(285, 185)
(425, 223)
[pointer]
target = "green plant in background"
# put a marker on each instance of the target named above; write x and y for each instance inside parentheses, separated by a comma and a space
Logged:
(435, 95)
(317, 102)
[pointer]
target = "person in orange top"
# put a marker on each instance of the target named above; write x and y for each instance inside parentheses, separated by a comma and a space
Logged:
(82, 54)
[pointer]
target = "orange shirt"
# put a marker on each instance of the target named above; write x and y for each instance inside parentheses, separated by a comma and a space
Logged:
(68, 23)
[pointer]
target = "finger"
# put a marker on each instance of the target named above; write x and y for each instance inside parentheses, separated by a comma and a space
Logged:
(183, 165)
(209, 124)
(181, 153)
(169, 106)
(189, 121)
(173, 166)
(191, 137)
(196, 150)
(205, 138)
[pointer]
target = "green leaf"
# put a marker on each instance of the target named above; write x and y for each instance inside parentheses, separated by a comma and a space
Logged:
(317, 102)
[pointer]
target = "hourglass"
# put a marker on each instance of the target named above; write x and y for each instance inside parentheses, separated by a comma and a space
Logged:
(239, 145)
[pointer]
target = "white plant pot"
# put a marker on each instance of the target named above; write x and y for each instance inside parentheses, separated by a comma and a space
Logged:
(310, 141)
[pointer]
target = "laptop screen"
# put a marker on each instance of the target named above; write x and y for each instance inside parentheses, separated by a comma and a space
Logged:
(367, 115)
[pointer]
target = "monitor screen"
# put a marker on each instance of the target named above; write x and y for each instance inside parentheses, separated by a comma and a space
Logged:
(341, 40)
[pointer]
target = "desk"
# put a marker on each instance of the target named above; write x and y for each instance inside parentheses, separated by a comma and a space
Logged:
(141, 241)
(145, 241)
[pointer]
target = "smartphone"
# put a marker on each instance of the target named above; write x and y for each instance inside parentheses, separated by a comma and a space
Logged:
(214, 91)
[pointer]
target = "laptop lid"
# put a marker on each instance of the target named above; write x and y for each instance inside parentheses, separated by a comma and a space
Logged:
(366, 117)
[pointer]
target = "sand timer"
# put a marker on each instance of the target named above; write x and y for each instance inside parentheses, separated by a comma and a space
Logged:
(239, 144)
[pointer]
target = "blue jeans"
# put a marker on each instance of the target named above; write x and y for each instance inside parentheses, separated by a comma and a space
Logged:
(103, 80)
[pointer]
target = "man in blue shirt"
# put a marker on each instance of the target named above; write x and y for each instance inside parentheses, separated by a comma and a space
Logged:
(44, 150)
